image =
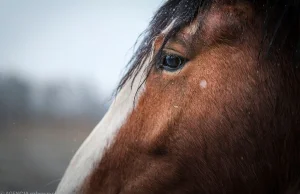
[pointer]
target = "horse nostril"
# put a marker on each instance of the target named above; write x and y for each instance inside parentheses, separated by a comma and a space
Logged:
(159, 151)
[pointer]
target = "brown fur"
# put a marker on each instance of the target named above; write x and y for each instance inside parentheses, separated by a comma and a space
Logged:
(238, 135)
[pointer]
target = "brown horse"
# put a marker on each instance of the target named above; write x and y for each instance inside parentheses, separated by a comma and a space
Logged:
(210, 104)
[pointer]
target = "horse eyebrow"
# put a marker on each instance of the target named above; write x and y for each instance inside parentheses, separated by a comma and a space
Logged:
(183, 39)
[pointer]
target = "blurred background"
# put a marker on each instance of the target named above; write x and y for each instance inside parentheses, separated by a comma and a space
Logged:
(60, 61)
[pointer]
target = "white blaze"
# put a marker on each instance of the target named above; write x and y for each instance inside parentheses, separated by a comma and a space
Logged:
(91, 151)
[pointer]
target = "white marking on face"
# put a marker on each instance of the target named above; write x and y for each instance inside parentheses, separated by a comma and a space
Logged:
(91, 151)
(203, 84)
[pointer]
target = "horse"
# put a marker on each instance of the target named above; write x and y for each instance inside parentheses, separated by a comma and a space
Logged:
(210, 104)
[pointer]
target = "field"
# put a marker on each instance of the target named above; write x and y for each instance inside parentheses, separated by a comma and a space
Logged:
(34, 155)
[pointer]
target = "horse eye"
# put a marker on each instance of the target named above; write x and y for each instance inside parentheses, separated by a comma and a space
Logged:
(171, 62)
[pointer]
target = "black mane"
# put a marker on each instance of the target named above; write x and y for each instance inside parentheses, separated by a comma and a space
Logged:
(279, 14)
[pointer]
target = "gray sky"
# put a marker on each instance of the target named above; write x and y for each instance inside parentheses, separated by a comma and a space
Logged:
(88, 40)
